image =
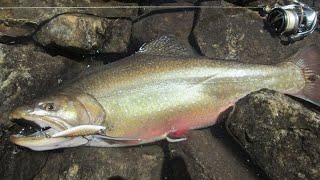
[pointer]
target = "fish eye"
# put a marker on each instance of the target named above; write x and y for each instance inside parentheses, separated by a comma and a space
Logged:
(48, 107)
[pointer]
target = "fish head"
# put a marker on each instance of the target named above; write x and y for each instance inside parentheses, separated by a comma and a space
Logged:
(48, 116)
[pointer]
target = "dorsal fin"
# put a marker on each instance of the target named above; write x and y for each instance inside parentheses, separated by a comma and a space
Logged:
(166, 46)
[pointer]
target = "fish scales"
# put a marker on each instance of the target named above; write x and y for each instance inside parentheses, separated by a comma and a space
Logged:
(154, 91)
(161, 92)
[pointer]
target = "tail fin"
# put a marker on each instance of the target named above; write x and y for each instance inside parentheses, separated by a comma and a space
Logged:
(308, 60)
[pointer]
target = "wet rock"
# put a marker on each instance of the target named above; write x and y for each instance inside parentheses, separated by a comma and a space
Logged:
(16, 163)
(213, 157)
(25, 73)
(280, 134)
(239, 34)
(104, 163)
(202, 156)
(20, 22)
(38, 15)
(163, 2)
(156, 6)
(15, 28)
(79, 32)
(254, 3)
(312, 3)
(156, 23)
(80, 163)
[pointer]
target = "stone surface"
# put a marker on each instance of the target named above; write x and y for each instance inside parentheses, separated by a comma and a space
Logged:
(161, 22)
(211, 154)
(312, 3)
(254, 2)
(20, 22)
(280, 134)
(26, 73)
(102, 163)
(15, 28)
(64, 6)
(239, 34)
(207, 154)
(80, 163)
(79, 32)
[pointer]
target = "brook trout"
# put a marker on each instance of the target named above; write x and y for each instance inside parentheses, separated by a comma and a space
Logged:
(161, 92)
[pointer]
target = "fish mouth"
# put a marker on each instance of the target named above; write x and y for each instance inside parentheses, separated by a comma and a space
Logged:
(31, 129)
(36, 130)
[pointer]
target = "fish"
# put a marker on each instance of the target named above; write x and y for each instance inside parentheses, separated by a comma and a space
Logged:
(161, 92)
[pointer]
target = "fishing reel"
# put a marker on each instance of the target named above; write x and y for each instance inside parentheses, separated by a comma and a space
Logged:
(291, 22)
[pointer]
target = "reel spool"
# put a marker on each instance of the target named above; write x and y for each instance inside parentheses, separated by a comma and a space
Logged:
(292, 22)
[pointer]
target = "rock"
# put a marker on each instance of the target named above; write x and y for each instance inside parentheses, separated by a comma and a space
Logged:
(15, 28)
(17, 163)
(165, 2)
(38, 15)
(26, 73)
(79, 32)
(202, 156)
(239, 34)
(313, 4)
(80, 163)
(20, 22)
(104, 163)
(213, 157)
(254, 3)
(280, 134)
(161, 22)
(162, 6)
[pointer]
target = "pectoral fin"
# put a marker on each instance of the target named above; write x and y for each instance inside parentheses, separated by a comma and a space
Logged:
(97, 131)
(107, 141)
(116, 138)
